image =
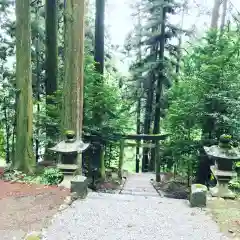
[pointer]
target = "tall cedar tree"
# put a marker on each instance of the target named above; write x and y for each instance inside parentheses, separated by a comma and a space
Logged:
(99, 54)
(99, 66)
(99, 35)
(139, 101)
(23, 160)
(72, 111)
(154, 70)
(51, 62)
(38, 81)
(215, 14)
(160, 79)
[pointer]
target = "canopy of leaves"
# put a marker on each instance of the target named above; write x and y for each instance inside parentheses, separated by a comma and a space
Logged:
(206, 98)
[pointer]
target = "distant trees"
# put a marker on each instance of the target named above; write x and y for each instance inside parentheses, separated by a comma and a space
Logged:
(152, 73)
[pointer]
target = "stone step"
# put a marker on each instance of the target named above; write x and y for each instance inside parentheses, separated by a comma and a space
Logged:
(145, 194)
(140, 189)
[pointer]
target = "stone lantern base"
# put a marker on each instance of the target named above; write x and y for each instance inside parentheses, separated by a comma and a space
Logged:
(223, 178)
(221, 190)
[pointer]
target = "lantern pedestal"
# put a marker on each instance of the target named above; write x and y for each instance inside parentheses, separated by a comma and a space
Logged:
(223, 178)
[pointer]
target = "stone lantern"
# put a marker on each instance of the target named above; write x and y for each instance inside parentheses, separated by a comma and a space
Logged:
(69, 150)
(224, 155)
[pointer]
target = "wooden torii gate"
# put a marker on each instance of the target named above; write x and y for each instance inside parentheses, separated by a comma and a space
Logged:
(154, 143)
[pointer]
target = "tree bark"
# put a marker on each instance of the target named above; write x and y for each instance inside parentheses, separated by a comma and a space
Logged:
(72, 111)
(24, 160)
(179, 51)
(99, 54)
(121, 158)
(157, 115)
(215, 14)
(72, 114)
(158, 163)
(156, 128)
(224, 13)
(138, 110)
(99, 35)
(8, 134)
(51, 23)
(149, 107)
(38, 86)
(148, 120)
(99, 66)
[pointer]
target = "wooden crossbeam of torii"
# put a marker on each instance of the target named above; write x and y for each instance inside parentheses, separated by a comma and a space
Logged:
(143, 145)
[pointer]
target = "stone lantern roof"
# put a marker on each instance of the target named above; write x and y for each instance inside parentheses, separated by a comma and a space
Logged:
(70, 144)
(218, 152)
(77, 146)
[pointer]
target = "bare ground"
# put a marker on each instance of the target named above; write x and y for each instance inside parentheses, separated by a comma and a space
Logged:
(27, 208)
(227, 215)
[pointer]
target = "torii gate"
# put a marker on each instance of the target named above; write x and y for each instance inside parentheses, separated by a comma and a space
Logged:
(138, 137)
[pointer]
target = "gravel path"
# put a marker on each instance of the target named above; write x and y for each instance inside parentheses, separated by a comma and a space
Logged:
(132, 216)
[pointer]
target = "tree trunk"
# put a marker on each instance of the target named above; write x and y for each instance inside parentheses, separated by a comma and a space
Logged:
(139, 97)
(8, 134)
(72, 111)
(121, 158)
(215, 14)
(148, 120)
(138, 132)
(99, 66)
(72, 115)
(24, 160)
(179, 51)
(99, 54)
(102, 164)
(158, 163)
(51, 23)
(156, 127)
(149, 109)
(99, 35)
(224, 13)
(38, 86)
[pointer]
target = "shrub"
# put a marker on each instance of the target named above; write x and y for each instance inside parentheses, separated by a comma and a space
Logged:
(52, 176)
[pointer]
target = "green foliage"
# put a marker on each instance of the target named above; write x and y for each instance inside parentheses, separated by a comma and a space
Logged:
(51, 176)
(209, 88)
(108, 99)
(234, 184)
(204, 104)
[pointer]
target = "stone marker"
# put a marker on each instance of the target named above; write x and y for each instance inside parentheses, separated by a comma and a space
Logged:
(198, 195)
(79, 186)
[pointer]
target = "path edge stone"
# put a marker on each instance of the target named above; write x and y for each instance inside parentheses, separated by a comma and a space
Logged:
(154, 184)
